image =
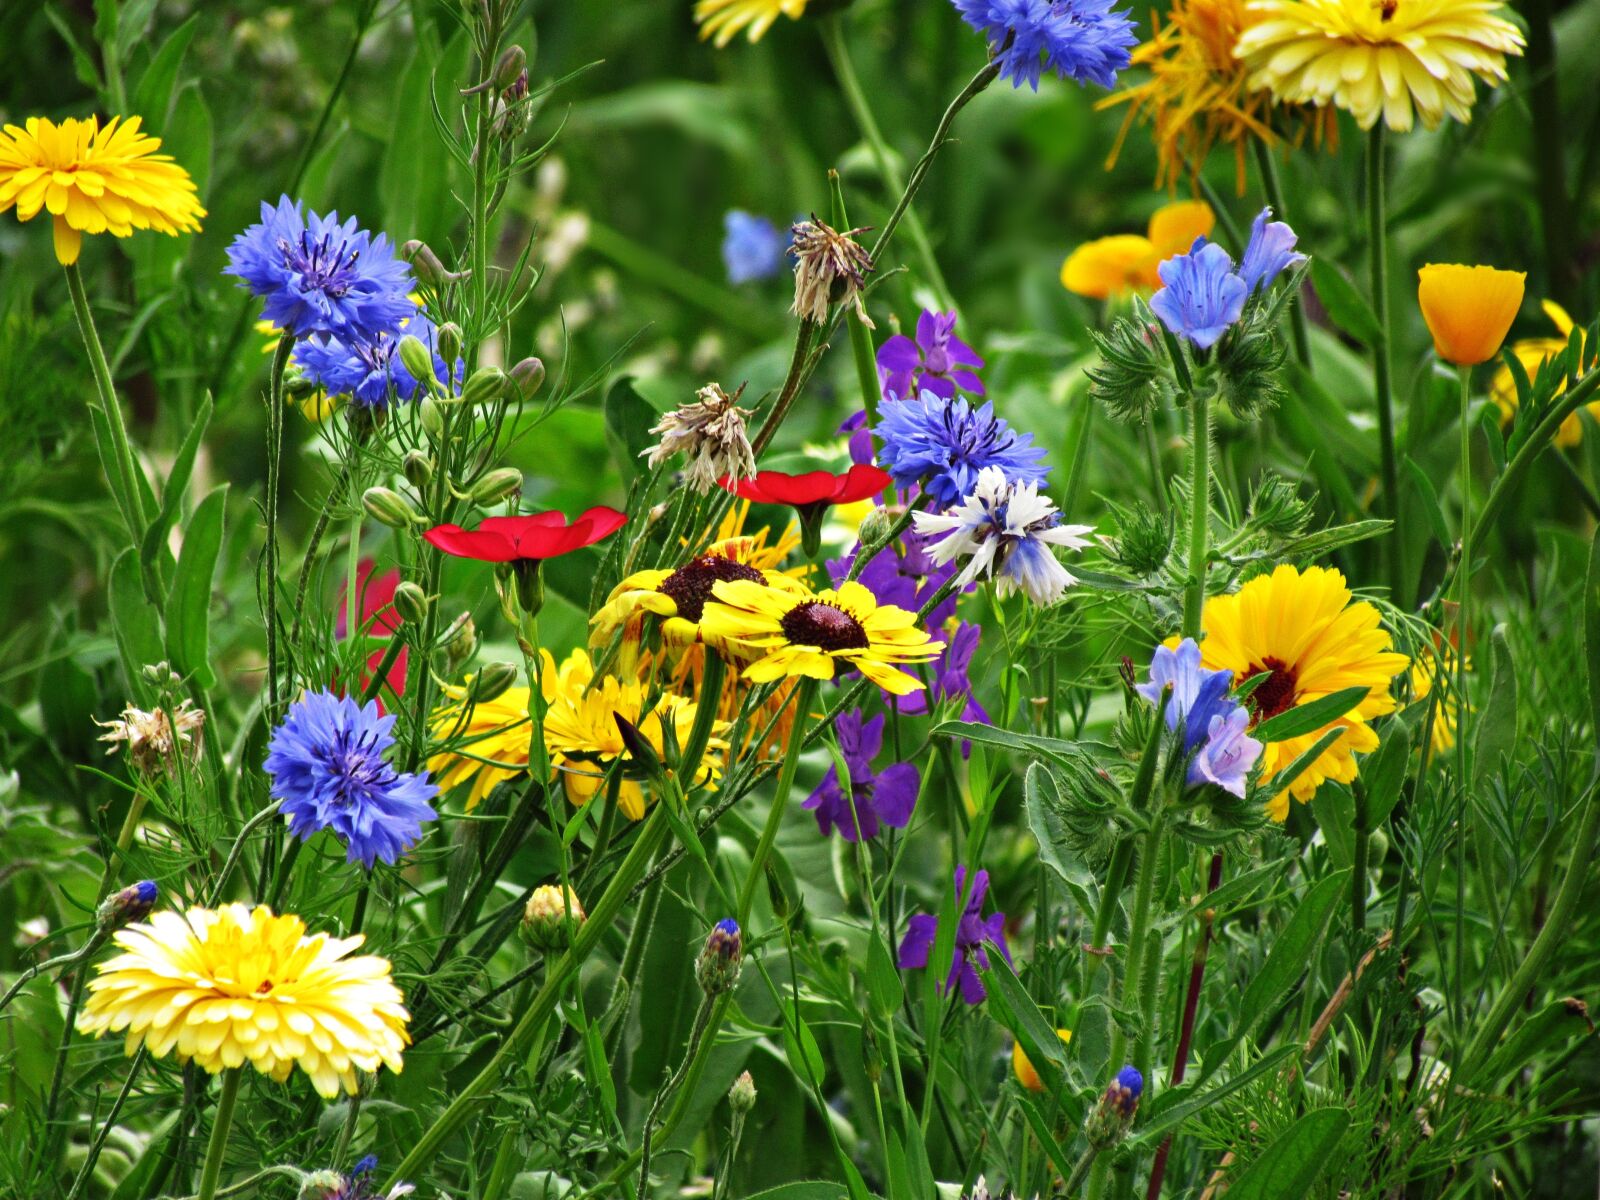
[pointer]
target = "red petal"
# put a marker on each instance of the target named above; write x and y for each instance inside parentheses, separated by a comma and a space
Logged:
(484, 546)
(859, 482)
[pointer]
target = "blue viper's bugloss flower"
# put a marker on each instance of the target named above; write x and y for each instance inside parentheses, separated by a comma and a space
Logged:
(1083, 40)
(1202, 296)
(328, 770)
(752, 246)
(319, 276)
(884, 797)
(943, 445)
(973, 933)
(365, 369)
(1270, 251)
(1215, 737)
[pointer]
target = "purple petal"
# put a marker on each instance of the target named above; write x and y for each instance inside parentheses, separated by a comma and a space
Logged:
(918, 942)
(894, 795)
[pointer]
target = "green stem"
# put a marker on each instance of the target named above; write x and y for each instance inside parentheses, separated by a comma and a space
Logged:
(1549, 153)
(1273, 187)
(1378, 252)
(702, 1020)
(832, 30)
(1144, 984)
(1463, 710)
(1194, 593)
(217, 1146)
(280, 363)
(804, 695)
(1358, 881)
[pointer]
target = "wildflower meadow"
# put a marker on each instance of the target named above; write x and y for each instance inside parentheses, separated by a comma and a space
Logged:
(800, 599)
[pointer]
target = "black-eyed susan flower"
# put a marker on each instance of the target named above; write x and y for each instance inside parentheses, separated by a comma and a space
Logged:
(1198, 95)
(1302, 630)
(1124, 263)
(1533, 353)
(722, 20)
(1394, 59)
(1469, 310)
(94, 179)
(229, 986)
(797, 632)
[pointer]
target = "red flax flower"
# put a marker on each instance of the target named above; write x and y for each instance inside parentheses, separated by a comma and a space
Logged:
(378, 620)
(811, 493)
(525, 542)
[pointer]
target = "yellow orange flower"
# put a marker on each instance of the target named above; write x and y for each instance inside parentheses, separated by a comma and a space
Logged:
(1115, 266)
(1198, 94)
(796, 632)
(721, 20)
(1469, 310)
(1024, 1070)
(1393, 59)
(233, 985)
(1304, 632)
(1424, 674)
(94, 179)
(1533, 353)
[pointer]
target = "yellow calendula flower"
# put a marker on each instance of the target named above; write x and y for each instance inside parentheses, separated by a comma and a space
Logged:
(1111, 267)
(797, 632)
(1302, 630)
(1027, 1075)
(1393, 59)
(1533, 353)
(1469, 310)
(94, 179)
(1425, 672)
(721, 20)
(233, 985)
(1197, 94)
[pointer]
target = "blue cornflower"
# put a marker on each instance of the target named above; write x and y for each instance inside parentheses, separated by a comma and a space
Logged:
(1215, 739)
(752, 246)
(319, 276)
(1269, 252)
(1084, 40)
(1202, 296)
(944, 443)
(365, 369)
(328, 770)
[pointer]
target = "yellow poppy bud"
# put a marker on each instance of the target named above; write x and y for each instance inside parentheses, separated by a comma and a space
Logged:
(1023, 1069)
(1469, 310)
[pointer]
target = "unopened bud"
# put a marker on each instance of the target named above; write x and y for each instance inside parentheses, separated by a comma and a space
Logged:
(513, 61)
(497, 485)
(132, 903)
(875, 526)
(1113, 1113)
(160, 673)
(528, 585)
(411, 602)
(388, 507)
(484, 386)
(432, 417)
(528, 375)
(551, 917)
(491, 681)
(417, 359)
(450, 338)
(460, 640)
(742, 1095)
(721, 959)
(417, 468)
(425, 264)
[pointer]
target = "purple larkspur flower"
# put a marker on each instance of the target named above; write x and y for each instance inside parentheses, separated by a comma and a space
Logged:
(974, 933)
(875, 798)
(936, 362)
(951, 679)
(1202, 297)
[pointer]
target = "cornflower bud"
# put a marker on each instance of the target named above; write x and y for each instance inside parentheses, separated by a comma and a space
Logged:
(411, 602)
(425, 264)
(497, 485)
(417, 360)
(432, 417)
(1113, 1113)
(417, 468)
(491, 682)
(513, 62)
(721, 959)
(546, 925)
(132, 903)
(460, 640)
(742, 1095)
(528, 375)
(388, 507)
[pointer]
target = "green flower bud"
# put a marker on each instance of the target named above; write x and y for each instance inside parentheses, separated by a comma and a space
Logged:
(417, 468)
(460, 640)
(491, 682)
(411, 602)
(417, 359)
(389, 507)
(742, 1095)
(546, 925)
(425, 264)
(432, 417)
(485, 386)
(513, 61)
(497, 485)
(528, 375)
(450, 337)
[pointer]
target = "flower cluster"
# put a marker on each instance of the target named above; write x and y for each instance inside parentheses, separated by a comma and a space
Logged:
(1205, 293)
(1086, 41)
(1216, 746)
(943, 444)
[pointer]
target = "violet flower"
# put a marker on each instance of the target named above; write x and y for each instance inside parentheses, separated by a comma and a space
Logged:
(884, 797)
(935, 362)
(974, 932)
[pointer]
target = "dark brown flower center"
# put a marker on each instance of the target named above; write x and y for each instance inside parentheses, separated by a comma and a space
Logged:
(690, 585)
(1275, 694)
(815, 623)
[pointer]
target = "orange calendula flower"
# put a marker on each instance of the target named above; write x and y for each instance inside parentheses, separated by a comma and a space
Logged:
(1533, 353)
(1115, 266)
(94, 179)
(1469, 310)
(1027, 1075)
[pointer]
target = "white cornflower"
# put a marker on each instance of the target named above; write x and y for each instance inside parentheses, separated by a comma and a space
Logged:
(1007, 530)
(710, 434)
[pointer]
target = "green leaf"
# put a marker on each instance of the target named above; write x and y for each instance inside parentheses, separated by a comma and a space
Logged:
(803, 1189)
(152, 98)
(1335, 811)
(1021, 1016)
(1555, 1023)
(884, 989)
(132, 23)
(1042, 799)
(189, 604)
(1429, 497)
(135, 621)
(1005, 739)
(805, 1056)
(1176, 1105)
(1313, 715)
(1296, 1159)
(155, 537)
(1297, 768)
(1385, 772)
(1497, 724)
(1346, 307)
(629, 417)
(1591, 635)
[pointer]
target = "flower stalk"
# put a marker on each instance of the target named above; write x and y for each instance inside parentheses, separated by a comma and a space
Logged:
(217, 1147)
(1382, 369)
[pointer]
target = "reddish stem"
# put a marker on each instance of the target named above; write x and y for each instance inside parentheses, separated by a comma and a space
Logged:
(1191, 1006)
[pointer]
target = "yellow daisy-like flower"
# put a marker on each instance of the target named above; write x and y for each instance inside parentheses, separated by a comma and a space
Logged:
(1303, 631)
(223, 987)
(1424, 674)
(721, 20)
(797, 632)
(1198, 94)
(1111, 267)
(94, 180)
(1469, 310)
(1393, 59)
(1533, 353)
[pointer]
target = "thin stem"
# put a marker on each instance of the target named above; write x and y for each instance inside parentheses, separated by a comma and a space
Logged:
(280, 363)
(1273, 187)
(702, 1019)
(1144, 983)
(1463, 709)
(804, 695)
(1363, 838)
(1194, 594)
(1079, 1170)
(218, 1145)
(1382, 370)
(313, 543)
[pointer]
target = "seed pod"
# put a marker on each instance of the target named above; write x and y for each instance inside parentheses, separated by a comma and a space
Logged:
(450, 338)
(411, 602)
(485, 386)
(497, 485)
(388, 507)
(432, 417)
(460, 640)
(528, 375)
